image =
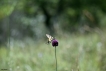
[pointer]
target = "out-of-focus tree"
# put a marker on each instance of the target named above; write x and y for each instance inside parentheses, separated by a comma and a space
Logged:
(6, 8)
(70, 15)
(73, 13)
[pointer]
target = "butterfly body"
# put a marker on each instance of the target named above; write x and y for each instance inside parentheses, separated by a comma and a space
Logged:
(50, 38)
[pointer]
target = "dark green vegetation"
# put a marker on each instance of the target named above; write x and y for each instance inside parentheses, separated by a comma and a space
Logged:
(23, 18)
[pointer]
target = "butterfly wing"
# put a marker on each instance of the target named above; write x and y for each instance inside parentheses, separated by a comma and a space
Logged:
(50, 38)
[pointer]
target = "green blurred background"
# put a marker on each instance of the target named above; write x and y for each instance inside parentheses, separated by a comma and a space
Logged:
(78, 25)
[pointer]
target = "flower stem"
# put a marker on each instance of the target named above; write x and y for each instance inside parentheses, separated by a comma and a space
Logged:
(56, 58)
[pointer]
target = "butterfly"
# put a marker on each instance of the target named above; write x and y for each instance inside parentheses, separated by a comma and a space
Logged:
(50, 38)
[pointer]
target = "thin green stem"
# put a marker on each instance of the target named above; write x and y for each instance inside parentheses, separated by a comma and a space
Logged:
(56, 58)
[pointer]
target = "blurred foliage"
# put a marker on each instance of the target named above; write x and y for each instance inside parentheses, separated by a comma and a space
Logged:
(6, 8)
(78, 24)
(75, 52)
(28, 18)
